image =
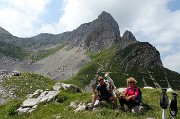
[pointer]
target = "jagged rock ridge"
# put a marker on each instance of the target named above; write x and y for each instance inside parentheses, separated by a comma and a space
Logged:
(140, 55)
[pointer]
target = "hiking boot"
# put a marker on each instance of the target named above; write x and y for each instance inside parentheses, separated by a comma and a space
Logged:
(129, 109)
(122, 108)
(90, 107)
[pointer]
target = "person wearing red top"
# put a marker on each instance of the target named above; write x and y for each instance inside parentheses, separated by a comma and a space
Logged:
(130, 95)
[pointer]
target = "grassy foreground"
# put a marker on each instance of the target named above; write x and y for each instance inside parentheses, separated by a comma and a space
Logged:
(63, 110)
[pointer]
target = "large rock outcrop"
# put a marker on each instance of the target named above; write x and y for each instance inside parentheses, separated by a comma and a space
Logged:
(96, 35)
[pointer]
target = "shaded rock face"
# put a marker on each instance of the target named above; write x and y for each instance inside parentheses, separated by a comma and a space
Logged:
(140, 56)
(127, 38)
(98, 34)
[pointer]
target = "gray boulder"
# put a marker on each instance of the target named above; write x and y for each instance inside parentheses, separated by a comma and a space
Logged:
(71, 87)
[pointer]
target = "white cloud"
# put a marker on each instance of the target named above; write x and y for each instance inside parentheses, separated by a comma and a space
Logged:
(21, 17)
(48, 28)
(164, 48)
(172, 62)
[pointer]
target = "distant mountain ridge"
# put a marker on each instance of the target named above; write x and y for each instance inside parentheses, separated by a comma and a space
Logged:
(96, 35)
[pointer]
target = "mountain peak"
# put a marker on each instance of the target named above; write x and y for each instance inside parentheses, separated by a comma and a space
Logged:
(102, 32)
(127, 38)
(104, 15)
(107, 18)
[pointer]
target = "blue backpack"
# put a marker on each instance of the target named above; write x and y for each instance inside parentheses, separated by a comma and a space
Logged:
(139, 97)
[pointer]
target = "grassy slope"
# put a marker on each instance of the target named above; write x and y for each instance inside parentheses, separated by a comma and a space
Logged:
(41, 54)
(20, 53)
(12, 51)
(52, 110)
(22, 85)
(27, 83)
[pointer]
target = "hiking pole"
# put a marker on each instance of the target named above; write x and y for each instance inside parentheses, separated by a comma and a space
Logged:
(173, 105)
(163, 101)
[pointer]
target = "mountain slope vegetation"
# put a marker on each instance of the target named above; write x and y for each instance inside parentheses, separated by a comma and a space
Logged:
(12, 51)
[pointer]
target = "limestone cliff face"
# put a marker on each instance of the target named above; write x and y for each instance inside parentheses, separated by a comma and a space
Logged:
(96, 35)
(140, 55)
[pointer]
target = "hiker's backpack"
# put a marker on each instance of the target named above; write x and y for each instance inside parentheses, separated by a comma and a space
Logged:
(139, 97)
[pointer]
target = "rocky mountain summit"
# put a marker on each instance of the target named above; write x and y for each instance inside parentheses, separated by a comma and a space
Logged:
(96, 35)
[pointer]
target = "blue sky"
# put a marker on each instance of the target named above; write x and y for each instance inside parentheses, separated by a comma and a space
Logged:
(53, 11)
(174, 5)
(154, 21)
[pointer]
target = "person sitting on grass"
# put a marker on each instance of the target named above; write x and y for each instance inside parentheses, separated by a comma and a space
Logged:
(103, 92)
(130, 95)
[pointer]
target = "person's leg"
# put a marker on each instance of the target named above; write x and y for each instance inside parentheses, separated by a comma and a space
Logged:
(114, 98)
(122, 101)
(131, 103)
(94, 98)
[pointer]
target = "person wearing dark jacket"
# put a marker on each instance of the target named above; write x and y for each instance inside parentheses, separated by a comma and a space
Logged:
(102, 92)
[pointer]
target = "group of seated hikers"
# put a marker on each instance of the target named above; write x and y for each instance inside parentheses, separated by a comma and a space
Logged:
(105, 91)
